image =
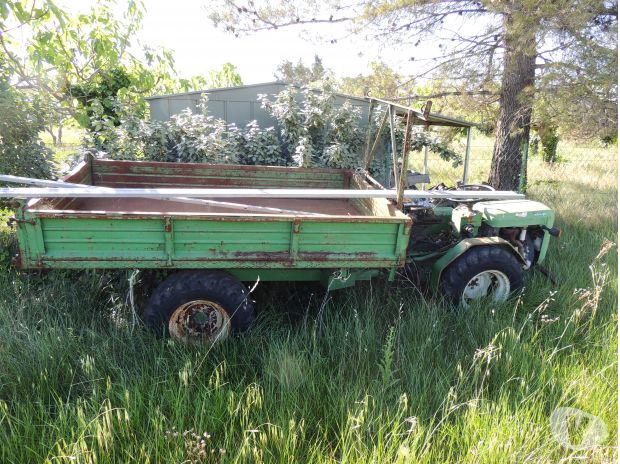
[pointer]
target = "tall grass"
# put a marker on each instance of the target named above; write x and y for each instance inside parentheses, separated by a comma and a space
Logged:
(379, 373)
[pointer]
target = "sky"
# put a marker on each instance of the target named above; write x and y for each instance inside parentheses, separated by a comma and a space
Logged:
(198, 47)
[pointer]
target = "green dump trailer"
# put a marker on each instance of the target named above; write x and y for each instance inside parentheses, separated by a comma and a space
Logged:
(213, 248)
(218, 228)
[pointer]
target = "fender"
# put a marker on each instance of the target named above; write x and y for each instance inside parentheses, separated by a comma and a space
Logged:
(462, 247)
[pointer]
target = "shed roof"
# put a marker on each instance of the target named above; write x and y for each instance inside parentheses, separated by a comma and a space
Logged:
(420, 118)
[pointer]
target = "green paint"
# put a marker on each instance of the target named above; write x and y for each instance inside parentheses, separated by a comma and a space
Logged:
(168, 240)
(518, 213)
(288, 248)
(514, 213)
(463, 216)
(279, 247)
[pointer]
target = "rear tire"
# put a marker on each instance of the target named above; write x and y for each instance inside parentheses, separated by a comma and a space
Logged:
(199, 306)
(484, 272)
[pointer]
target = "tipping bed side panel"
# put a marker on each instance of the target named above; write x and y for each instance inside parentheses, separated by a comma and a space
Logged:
(108, 173)
(198, 242)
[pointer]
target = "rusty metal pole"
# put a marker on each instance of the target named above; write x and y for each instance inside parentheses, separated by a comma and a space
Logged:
(467, 155)
(375, 145)
(393, 142)
(368, 129)
(403, 169)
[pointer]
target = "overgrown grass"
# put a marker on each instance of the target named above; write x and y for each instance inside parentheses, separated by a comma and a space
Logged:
(378, 373)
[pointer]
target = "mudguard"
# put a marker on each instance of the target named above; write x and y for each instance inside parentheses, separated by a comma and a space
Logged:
(460, 248)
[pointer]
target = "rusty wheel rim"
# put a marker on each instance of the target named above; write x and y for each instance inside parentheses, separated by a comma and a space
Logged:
(199, 320)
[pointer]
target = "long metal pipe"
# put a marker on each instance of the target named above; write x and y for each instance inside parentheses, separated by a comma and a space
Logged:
(193, 201)
(105, 192)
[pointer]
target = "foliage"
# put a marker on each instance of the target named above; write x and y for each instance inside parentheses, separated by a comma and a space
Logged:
(22, 152)
(382, 82)
(420, 140)
(300, 74)
(438, 143)
(75, 58)
(80, 66)
(261, 147)
(228, 76)
(344, 140)
(575, 44)
(101, 93)
(197, 138)
(549, 140)
(311, 131)
(186, 137)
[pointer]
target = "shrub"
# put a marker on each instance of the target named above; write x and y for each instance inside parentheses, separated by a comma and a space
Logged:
(22, 153)
(261, 147)
(311, 130)
(549, 140)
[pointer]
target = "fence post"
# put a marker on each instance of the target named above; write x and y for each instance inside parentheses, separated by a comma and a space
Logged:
(523, 173)
(467, 155)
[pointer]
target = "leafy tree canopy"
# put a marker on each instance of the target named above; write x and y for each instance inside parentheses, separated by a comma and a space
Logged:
(86, 64)
(301, 74)
(518, 47)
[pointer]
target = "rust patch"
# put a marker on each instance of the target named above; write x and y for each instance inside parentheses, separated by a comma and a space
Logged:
(347, 179)
(230, 217)
(167, 224)
(328, 256)
(270, 256)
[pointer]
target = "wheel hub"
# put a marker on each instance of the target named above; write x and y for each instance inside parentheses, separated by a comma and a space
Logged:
(492, 283)
(199, 320)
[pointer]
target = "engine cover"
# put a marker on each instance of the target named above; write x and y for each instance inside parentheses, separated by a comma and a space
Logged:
(514, 213)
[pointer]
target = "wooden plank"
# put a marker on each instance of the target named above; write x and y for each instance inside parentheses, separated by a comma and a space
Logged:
(103, 192)
(240, 170)
(181, 182)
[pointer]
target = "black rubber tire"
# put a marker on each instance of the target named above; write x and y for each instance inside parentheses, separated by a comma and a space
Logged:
(184, 286)
(477, 260)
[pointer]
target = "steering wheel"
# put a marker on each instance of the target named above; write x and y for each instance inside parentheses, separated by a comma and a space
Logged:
(469, 187)
(472, 188)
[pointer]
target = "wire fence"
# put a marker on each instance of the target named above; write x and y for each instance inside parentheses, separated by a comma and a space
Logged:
(579, 171)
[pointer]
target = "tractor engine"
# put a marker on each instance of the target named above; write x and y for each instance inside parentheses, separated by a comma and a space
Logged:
(525, 224)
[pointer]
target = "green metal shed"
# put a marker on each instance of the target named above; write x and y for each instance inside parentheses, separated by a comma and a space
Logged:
(238, 105)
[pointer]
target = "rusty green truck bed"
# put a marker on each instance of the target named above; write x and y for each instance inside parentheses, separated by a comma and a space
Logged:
(355, 234)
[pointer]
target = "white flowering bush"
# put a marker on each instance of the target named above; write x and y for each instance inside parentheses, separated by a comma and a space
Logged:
(311, 130)
(261, 146)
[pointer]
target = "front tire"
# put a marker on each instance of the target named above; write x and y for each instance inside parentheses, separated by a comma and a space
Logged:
(488, 273)
(202, 306)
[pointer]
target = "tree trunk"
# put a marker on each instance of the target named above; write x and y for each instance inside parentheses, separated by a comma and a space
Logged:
(50, 130)
(60, 134)
(516, 100)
